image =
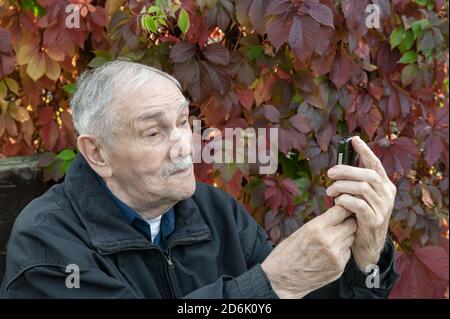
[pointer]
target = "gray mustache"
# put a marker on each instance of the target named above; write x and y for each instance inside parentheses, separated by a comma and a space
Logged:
(178, 165)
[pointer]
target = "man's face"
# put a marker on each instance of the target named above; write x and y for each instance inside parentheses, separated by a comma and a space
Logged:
(156, 134)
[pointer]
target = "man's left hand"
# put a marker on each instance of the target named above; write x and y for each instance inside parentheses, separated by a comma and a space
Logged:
(370, 194)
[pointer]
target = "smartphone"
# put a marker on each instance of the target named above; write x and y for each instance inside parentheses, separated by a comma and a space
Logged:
(346, 155)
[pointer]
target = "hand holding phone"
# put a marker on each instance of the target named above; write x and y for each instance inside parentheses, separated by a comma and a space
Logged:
(346, 155)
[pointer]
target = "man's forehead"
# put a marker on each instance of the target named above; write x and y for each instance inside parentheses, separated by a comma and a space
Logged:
(158, 110)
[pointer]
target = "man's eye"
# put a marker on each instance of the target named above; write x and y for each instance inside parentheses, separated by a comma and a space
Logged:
(184, 122)
(153, 134)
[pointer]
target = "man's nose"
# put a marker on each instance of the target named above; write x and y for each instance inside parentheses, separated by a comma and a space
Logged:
(181, 144)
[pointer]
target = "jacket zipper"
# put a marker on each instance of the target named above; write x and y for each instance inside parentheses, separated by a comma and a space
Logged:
(171, 267)
(166, 255)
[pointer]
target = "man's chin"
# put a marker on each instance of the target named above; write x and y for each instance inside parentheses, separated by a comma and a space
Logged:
(184, 188)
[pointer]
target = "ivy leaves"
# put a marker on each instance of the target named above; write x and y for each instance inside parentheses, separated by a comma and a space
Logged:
(201, 70)
(300, 25)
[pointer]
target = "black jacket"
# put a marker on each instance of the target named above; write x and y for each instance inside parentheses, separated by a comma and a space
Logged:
(215, 250)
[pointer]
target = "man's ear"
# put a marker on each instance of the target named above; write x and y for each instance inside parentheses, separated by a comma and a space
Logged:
(95, 154)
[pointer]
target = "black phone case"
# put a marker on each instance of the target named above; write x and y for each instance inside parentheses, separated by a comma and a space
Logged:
(346, 155)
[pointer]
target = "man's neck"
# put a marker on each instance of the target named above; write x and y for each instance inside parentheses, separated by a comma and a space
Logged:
(150, 210)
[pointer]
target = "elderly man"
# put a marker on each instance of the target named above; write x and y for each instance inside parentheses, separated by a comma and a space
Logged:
(129, 221)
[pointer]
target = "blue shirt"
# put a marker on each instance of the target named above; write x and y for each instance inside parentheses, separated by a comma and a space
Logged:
(137, 222)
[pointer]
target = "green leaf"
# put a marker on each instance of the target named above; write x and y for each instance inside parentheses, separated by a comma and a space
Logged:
(407, 42)
(105, 54)
(255, 52)
(66, 155)
(13, 86)
(297, 98)
(303, 183)
(421, 2)
(3, 90)
(425, 24)
(143, 27)
(290, 167)
(18, 113)
(416, 27)
(397, 36)
(53, 171)
(38, 11)
(409, 74)
(408, 57)
(162, 20)
(70, 88)
(154, 9)
(65, 165)
(183, 21)
(150, 24)
(97, 61)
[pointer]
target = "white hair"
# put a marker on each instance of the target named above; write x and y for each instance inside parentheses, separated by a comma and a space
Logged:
(97, 89)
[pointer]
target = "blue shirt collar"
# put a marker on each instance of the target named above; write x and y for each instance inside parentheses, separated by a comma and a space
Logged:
(137, 222)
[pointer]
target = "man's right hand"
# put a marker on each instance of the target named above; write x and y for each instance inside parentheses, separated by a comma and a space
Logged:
(313, 256)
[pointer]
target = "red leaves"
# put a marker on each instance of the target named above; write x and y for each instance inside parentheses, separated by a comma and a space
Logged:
(262, 63)
(252, 12)
(387, 59)
(434, 258)
(263, 90)
(245, 97)
(354, 13)
(6, 54)
(363, 112)
(434, 133)
(220, 14)
(396, 155)
(201, 71)
(280, 193)
(342, 69)
(49, 134)
(49, 128)
(424, 274)
(182, 51)
(291, 131)
(217, 54)
(198, 32)
(302, 37)
(300, 24)
(321, 13)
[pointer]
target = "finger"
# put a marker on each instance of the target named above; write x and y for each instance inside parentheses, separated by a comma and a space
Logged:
(348, 242)
(368, 157)
(335, 215)
(346, 254)
(359, 174)
(345, 229)
(362, 210)
(362, 189)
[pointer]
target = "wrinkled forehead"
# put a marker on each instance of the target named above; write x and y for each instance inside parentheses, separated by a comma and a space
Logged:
(146, 87)
(155, 95)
